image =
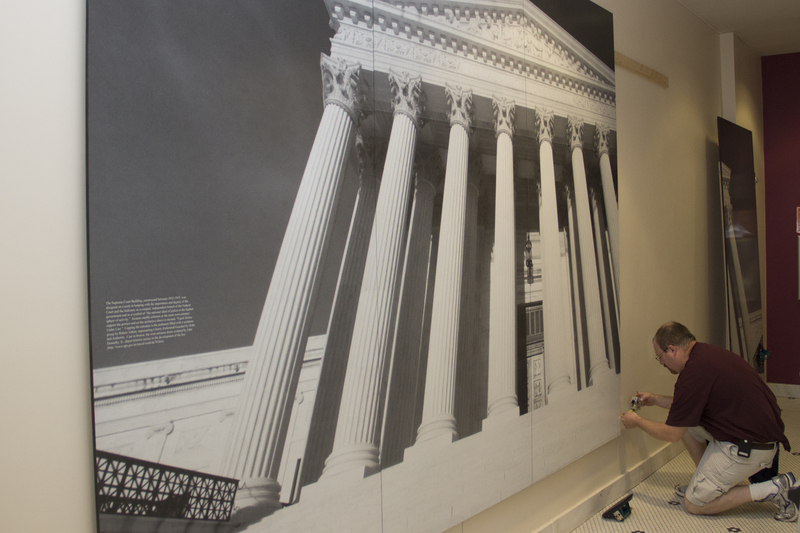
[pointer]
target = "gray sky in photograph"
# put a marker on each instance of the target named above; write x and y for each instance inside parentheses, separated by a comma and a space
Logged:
(200, 118)
(587, 22)
(201, 114)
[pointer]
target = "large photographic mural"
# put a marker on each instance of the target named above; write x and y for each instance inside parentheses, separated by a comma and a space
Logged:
(359, 256)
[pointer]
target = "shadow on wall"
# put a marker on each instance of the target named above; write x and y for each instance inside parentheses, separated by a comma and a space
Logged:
(717, 329)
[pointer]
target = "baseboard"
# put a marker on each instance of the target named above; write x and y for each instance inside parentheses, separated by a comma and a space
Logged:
(608, 495)
(784, 390)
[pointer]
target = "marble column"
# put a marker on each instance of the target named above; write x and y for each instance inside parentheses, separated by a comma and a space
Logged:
(605, 293)
(355, 444)
(399, 428)
(577, 315)
(468, 375)
(567, 323)
(555, 298)
(598, 363)
(438, 418)
(610, 202)
(502, 397)
(254, 448)
(340, 324)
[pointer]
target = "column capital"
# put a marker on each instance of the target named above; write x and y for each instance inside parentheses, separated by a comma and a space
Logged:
(544, 125)
(407, 96)
(460, 109)
(575, 131)
(343, 85)
(504, 111)
(601, 132)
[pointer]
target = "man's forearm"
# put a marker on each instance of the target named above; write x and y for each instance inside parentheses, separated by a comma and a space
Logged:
(663, 401)
(660, 431)
(657, 430)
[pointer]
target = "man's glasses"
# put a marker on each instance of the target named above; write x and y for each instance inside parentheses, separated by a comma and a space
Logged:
(660, 355)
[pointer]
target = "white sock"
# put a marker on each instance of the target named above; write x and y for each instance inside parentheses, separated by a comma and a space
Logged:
(763, 490)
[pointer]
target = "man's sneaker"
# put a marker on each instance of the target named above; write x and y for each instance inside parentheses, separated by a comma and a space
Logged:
(680, 490)
(785, 482)
(787, 510)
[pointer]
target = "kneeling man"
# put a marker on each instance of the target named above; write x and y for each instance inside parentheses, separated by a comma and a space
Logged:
(728, 419)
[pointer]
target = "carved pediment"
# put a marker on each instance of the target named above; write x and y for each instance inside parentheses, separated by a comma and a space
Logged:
(514, 33)
(522, 33)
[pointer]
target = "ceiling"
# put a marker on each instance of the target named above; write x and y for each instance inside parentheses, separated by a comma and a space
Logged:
(769, 27)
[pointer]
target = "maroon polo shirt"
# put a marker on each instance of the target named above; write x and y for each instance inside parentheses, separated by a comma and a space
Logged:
(719, 391)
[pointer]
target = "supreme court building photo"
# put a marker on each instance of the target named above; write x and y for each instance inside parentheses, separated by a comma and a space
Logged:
(360, 257)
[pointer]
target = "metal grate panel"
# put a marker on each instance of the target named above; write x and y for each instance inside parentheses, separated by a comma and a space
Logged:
(129, 486)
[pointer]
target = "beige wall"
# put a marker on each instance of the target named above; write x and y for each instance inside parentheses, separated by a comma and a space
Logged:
(671, 252)
(45, 408)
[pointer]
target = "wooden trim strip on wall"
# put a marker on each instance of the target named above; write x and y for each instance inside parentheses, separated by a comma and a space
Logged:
(637, 68)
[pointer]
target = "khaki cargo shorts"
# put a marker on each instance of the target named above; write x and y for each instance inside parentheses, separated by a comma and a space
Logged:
(721, 468)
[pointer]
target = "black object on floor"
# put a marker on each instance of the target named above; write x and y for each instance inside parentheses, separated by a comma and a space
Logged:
(620, 510)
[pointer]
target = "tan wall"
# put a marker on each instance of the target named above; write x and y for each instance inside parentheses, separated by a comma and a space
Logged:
(46, 479)
(671, 254)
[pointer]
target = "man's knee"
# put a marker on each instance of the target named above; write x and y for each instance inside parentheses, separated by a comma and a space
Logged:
(694, 509)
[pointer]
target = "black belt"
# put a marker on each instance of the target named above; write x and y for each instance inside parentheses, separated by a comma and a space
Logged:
(756, 445)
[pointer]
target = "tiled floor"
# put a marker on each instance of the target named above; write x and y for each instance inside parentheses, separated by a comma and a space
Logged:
(655, 509)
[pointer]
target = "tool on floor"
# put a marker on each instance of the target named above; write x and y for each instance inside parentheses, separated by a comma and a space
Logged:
(620, 510)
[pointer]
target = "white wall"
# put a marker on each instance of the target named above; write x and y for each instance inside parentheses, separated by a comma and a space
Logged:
(46, 479)
(671, 251)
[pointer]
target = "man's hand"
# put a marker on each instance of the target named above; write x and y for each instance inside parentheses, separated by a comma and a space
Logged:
(630, 419)
(646, 398)
(649, 399)
(658, 430)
